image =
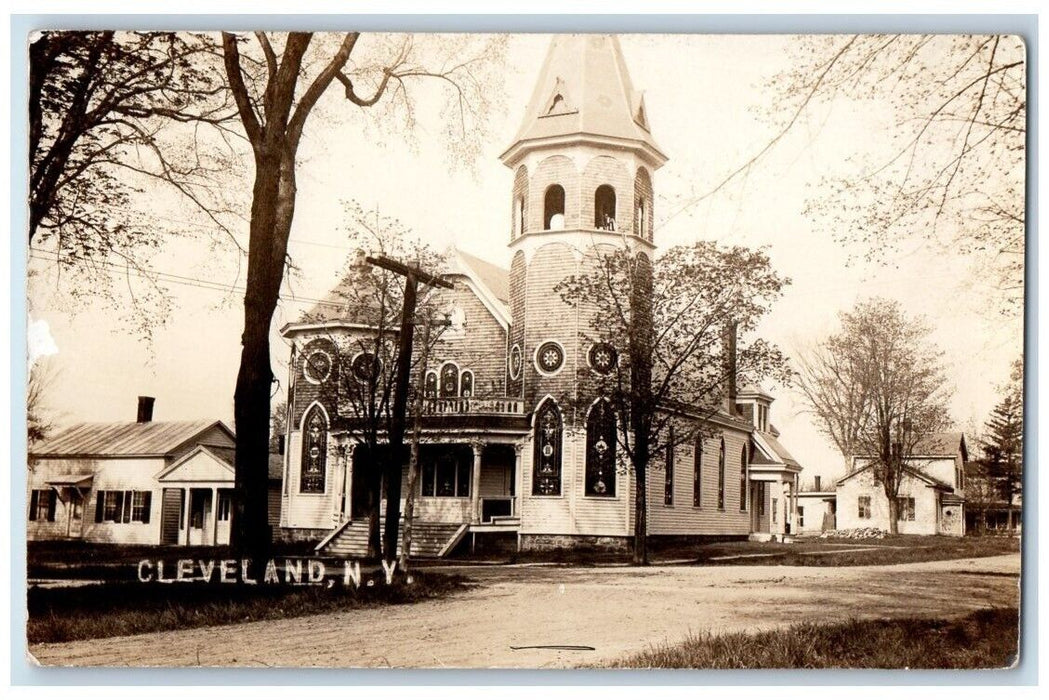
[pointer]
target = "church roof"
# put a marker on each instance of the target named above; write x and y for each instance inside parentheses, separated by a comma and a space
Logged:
(495, 278)
(584, 88)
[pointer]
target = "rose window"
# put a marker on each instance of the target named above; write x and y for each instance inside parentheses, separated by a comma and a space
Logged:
(550, 357)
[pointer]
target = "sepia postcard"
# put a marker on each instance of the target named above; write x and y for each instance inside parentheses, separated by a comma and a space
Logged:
(525, 351)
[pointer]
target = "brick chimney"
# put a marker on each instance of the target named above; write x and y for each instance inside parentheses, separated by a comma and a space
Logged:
(817, 477)
(730, 367)
(145, 409)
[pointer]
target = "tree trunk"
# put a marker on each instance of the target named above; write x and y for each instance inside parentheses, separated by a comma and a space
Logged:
(642, 405)
(272, 209)
(640, 555)
(894, 527)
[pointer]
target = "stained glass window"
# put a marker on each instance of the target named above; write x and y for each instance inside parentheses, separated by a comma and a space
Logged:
(546, 480)
(314, 452)
(466, 384)
(550, 357)
(602, 357)
(449, 380)
(430, 385)
(601, 450)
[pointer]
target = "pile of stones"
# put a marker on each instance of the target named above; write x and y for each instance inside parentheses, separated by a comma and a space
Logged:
(858, 533)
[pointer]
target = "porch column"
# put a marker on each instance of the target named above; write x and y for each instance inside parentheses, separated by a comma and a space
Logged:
(795, 528)
(186, 508)
(518, 480)
(213, 526)
(475, 482)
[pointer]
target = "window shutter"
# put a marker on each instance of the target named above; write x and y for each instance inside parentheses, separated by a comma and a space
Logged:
(51, 506)
(148, 501)
(34, 496)
(128, 500)
(100, 500)
(119, 515)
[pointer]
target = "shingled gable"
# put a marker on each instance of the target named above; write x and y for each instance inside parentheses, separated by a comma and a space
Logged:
(489, 282)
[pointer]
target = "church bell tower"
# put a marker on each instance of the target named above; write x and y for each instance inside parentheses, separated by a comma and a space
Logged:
(583, 160)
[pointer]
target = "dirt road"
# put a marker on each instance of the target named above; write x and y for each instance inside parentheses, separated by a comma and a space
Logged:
(615, 610)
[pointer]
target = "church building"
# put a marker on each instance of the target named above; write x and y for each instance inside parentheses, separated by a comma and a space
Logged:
(501, 455)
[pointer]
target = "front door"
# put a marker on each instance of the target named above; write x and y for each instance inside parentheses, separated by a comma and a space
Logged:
(199, 516)
(75, 526)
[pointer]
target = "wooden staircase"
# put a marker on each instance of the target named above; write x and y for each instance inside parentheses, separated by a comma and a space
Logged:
(429, 540)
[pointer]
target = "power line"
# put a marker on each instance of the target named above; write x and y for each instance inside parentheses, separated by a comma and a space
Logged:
(173, 278)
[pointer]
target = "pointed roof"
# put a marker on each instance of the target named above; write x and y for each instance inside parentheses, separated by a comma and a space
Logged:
(584, 88)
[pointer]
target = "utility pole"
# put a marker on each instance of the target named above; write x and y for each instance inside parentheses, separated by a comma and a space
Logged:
(413, 276)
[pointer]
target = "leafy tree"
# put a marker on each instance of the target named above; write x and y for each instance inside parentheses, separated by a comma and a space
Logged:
(877, 388)
(276, 89)
(674, 314)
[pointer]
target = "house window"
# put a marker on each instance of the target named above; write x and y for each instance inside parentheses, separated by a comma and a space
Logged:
(697, 473)
(123, 506)
(314, 452)
(225, 506)
(668, 483)
(801, 516)
(554, 208)
(864, 508)
(605, 208)
(775, 507)
(547, 455)
(446, 477)
(743, 461)
(905, 508)
(601, 450)
(721, 475)
(42, 505)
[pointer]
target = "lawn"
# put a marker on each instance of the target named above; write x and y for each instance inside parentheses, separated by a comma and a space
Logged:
(114, 609)
(813, 551)
(981, 640)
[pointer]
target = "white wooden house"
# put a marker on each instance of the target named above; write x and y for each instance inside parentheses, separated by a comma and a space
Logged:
(141, 482)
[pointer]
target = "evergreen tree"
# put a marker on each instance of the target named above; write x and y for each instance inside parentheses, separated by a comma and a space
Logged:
(1003, 446)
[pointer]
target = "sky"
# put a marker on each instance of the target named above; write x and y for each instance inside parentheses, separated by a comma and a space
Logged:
(705, 97)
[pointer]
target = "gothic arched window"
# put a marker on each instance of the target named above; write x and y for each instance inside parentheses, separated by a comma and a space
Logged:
(721, 475)
(449, 380)
(605, 208)
(466, 384)
(601, 450)
(314, 451)
(554, 208)
(743, 460)
(697, 473)
(546, 461)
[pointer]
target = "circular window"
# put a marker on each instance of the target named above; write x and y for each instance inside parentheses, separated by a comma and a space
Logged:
(550, 357)
(514, 362)
(316, 367)
(366, 367)
(602, 357)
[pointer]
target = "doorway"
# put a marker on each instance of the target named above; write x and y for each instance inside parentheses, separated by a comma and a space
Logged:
(75, 524)
(199, 516)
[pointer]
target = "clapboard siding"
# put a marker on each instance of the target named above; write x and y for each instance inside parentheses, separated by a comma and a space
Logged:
(683, 518)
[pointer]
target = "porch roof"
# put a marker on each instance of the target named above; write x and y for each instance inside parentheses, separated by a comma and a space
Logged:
(71, 480)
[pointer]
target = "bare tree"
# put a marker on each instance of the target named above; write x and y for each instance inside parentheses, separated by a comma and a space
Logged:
(877, 388)
(40, 416)
(674, 316)
(276, 89)
(112, 115)
(948, 171)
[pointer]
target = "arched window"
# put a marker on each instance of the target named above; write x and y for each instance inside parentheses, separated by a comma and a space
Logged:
(697, 473)
(518, 217)
(314, 451)
(554, 208)
(721, 475)
(430, 385)
(546, 460)
(466, 384)
(601, 450)
(605, 208)
(640, 218)
(743, 460)
(668, 482)
(449, 380)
